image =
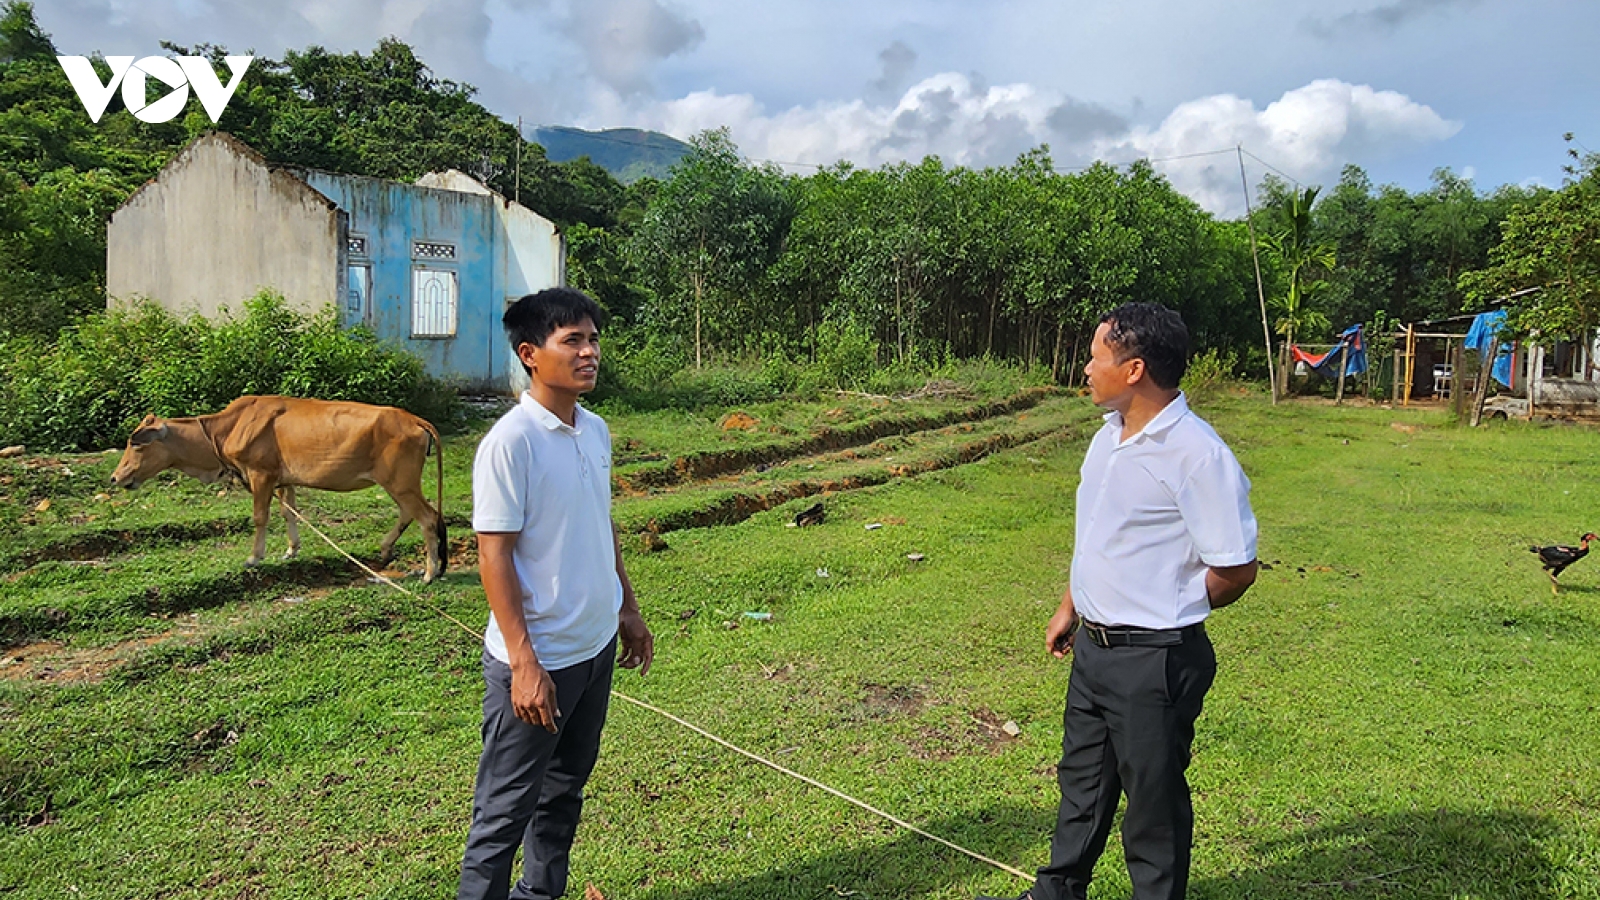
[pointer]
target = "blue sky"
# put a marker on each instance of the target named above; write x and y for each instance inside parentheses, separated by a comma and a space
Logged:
(1399, 87)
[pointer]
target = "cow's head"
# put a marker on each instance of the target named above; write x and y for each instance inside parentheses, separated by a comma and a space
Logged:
(147, 454)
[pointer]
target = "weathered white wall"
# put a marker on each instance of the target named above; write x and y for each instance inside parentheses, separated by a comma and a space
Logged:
(216, 226)
(532, 259)
(530, 255)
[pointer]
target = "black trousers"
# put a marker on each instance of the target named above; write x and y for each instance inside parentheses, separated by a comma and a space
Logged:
(1128, 727)
(530, 782)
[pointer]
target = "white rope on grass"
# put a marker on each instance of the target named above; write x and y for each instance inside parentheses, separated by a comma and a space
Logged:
(380, 577)
(819, 785)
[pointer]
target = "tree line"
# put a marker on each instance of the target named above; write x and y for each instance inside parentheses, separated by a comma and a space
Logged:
(729, 258)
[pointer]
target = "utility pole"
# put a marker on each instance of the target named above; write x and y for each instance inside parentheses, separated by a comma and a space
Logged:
(1261, 292)
(516, 181)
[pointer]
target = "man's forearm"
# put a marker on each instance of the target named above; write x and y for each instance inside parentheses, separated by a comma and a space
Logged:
(1225, 584)
(630, 604)
(504, 592)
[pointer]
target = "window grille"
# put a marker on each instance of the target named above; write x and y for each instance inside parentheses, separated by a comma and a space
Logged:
(433, 303)
(356, 245)
(432, 250)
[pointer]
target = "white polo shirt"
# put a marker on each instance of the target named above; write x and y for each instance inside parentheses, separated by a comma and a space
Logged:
(551, 483)
(1154, 512)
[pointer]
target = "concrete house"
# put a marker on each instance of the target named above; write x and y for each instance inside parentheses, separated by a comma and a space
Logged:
(430, 265)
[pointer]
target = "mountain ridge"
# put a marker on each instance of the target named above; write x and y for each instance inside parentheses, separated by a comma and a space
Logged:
(627, 153)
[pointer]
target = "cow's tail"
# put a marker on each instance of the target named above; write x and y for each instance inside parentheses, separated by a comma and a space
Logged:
(438, 503)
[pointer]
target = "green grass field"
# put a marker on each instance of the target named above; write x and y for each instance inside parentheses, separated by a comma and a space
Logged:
(1402, 708)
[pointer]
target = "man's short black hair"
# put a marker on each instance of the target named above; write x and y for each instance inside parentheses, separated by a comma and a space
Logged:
(532, 318)
(1154, 334)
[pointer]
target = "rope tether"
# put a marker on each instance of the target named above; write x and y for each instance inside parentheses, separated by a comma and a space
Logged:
(377, 576)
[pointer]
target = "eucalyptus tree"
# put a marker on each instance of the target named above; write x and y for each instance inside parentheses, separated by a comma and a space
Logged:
(709, 234)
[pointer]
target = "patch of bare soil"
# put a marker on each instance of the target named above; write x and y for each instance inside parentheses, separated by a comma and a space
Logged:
(893, 700)
(985, 732)
(738, 421)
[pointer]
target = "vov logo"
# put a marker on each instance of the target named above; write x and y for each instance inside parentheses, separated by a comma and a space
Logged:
(179, 74)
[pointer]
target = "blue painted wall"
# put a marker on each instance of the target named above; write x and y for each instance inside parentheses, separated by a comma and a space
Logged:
(391, 216)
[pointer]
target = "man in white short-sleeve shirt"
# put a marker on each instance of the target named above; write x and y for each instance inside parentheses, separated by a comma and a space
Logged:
(1164, 535)
(559, 602)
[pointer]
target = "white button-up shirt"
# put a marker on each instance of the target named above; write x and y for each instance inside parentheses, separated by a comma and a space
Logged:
(551, 483)
(1155, 510)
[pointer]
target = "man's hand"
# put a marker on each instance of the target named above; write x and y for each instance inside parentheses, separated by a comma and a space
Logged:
(533, 696)
(1062, 630)
(637, 646)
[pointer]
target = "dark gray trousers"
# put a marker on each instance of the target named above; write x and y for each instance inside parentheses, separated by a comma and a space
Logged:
(1128, 727)
(530, 782)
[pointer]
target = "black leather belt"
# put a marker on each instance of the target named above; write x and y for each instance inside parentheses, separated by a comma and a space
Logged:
(1124, 636)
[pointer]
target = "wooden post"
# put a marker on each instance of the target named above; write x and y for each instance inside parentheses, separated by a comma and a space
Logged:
(1411, 363)
(1344, 360)
(1458, 356)
(1261, 292)
(1394, 375)
(1535, 374)
(1485, 369)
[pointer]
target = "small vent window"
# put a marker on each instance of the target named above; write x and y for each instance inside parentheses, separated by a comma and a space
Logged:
(433, 250)
(356, 245)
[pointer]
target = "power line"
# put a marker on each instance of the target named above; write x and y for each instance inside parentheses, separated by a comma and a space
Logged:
(1294, 180)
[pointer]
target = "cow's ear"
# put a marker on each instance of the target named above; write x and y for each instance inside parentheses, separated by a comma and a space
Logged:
(147, 435)
(149, 419)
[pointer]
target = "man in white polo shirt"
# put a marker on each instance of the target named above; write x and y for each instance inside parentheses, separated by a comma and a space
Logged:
(1164, 535)
(560, 603)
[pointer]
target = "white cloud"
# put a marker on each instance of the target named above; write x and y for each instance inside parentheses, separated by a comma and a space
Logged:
(623, 39)
(1309, 132)
(596, 62)
(949, 115)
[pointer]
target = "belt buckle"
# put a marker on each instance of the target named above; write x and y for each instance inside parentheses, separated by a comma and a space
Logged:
(1097, 633)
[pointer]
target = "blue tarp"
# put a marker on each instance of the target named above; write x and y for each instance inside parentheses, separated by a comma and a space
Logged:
(1484, 327)
(1327, 364)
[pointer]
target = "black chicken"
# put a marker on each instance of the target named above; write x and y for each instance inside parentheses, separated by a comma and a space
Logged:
(1557, 558)
(811, 515)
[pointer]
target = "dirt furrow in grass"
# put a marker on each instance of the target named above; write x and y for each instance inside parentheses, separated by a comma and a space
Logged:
(712, 463)
(103, 542)
(108, 542)
(181, 595)
(736, 505)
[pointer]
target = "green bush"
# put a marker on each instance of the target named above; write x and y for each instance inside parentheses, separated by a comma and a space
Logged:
(1208, 375)
(845, 358)
(92, 386)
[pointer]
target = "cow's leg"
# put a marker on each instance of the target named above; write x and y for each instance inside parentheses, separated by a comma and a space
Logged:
(412, 506)
(261, 490)
(394, 535)
(286, 501)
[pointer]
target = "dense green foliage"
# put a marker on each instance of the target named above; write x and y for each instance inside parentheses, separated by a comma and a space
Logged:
(915, 264)
(87, 389)
(1550, 258)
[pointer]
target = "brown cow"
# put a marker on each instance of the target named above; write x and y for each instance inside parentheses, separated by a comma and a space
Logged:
(275, 444)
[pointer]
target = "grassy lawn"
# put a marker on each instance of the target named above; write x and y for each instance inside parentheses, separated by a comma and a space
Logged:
(1402, 708)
